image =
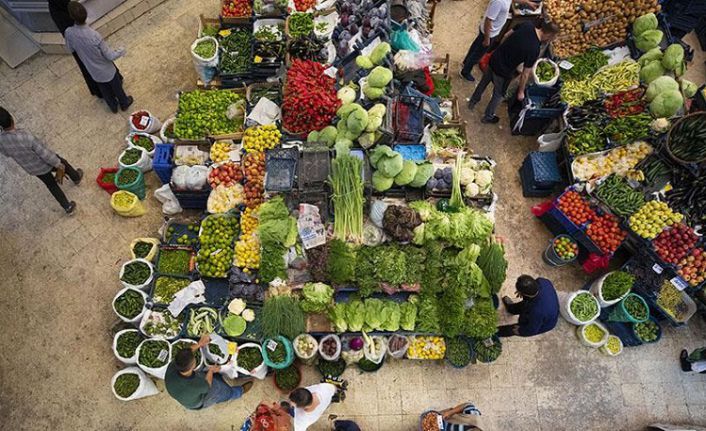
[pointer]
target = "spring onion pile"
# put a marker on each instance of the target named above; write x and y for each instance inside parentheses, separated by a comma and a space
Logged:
(347, 185)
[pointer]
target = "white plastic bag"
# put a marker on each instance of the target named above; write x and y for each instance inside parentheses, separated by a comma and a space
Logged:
(146, 387)
(179, 176)
(132, 359)
(196, 177)
(139, 316)
(597, 291)
(144, 163)
(536, 79)
(170, 204)
(377, 212)
(565, 307)
(187, 340)
(375, 348)
(222, 345)
(148, 124)
(337, 352)
(143, 286)
(260, 372)
(604, 348)
(399, 353)
(155, 140)
(550, 142)
(156, 372)
(158, 316)
(580, 333)
(305, 357)
(206, 68)
(163, 131)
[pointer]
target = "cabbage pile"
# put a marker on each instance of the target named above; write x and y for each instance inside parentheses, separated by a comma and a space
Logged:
(391, 168)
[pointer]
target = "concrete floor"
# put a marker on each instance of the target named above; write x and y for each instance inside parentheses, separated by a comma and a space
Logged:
(59, 275)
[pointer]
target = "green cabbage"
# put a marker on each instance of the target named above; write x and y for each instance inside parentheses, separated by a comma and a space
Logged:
(644, 23)
(648, 40)
(373, 93)
(391, 316)
(367, 139)
(391, 166)
(357, 121)
(374, 123)
(328, 135)
(688, 88)
(660, 85)
(379, 53)
(424, 171)
(666, 104)
(378, 110)
(673, 56)
(364, 62)
(380, 77)
(345, 110)
(379, 152)
(651, 71)
(346, 95)
(651, 55)
(373, 313)
(234, 325)
(316, 297)
(406, 175)
(381, 182)
(313, 136)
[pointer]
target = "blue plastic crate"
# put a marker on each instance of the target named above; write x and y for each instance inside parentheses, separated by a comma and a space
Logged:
(530, 189)
(543, 168)
(537, 95)
(162, 162)
(415, 152)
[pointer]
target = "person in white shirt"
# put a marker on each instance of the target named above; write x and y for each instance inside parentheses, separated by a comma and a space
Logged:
(310, 403)
(494, 20)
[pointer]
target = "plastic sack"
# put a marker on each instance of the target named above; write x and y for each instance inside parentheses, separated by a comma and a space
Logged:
(304, 357)
(347, 354)
(146, 387)
(550, 142)
(565, 307)
(260, 372)
(153, 251)
(206, 68)
(143, 286)
(163, 131)
(144, 163)
(187, 340)
(137, 186)
(126, 204)
(411, 60)
(155, 315)
(399, 353)
(485, 61)
(196, 177)
(179, 176)
(536, 79)
(139, 316)
(156, 372)
(597, 291)
(377, 212)
(170, 204)
(401, 40)
(109, 187)
(155, 140)
(132, 359)
(270, 344)
(375, 348)
(147, 123)
(581, 334)
(337, 352)
(222, 344)
(604, 348)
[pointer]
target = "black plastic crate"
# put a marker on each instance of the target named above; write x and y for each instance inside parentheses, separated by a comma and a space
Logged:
(192, 199)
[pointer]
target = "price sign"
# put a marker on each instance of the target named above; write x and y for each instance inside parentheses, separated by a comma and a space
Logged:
(656, 268)
(162, 355)
(232, 348)
(488, 342)
(144, 121)
(566, 65)
(272, 345)
(440, 421)
(679, 283)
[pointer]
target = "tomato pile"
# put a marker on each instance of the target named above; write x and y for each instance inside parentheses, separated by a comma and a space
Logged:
(254, 167)
(605, 232)
(575, 208)
(693, 267)
(227, 174)
(672, 245)
(310, 101)
(565, 248)
(304, 5)
(236, 8)
(137, 120)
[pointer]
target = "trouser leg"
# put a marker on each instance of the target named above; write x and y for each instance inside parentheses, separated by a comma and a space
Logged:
(70, 171)
(92, 85)
(116, 85)
(49, 180)
(506, 331)
(482, 85)
(474, 54)
(108, 95)
(499, 86)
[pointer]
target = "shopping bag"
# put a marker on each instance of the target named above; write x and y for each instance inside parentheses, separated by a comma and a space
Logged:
(485, 60)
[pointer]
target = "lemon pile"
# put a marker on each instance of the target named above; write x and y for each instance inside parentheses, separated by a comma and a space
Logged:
(247, 252)
(652, 218)
(220, 151)
(261, 138)
(617, 161)
(427, 347)
(249, 221)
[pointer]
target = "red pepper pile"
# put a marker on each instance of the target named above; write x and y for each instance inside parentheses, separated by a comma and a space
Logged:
(136, 119)
(625, 103)
(310, 101)
(575, 208)
(605, 232)
(304, 5)
(236, 8)
(673, 244)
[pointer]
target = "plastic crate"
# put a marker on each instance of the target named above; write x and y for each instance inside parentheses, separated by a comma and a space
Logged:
(414, 152)
(408, 119)
(162, 162)
(314, 166)
(217, 291)
(154, 284)
(529, 188)
(192, 199)
(543, 168)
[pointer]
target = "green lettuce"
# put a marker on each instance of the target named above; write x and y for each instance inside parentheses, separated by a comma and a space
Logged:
(355, 315)
(337, 316)
(316, 297)
(408, 316)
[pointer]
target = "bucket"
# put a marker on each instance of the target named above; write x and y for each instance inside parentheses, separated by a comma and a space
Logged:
(552, 258)
(620, 314)
(137, 186)
(108, 186)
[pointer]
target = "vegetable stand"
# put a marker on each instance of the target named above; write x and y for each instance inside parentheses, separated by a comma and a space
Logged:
(336, 220)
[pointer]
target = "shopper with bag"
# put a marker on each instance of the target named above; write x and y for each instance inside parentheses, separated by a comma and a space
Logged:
(310, 403)
(98, 58)
(272, 417)
(538, 310)
(196, 390)
(494, 20)
(36, 159)
(520, 46)
(693, 362)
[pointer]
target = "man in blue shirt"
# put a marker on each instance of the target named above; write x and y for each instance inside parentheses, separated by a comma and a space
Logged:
(538, 310)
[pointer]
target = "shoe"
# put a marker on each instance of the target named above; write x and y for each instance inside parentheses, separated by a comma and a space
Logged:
(685, 365)
(507, 301)
(129, 103)
(492, 120)
(471, 105)
(468, 77)
(79, 171)
(247, 386)
(114, 109)
(72, 207)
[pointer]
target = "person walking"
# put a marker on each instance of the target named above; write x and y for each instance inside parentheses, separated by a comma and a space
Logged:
(491, 26)
(196, 390)
(520, 45)
(36, 159)
(98, 58)
(538, 309)
(59, 12)
(310, 403)
(693, 362)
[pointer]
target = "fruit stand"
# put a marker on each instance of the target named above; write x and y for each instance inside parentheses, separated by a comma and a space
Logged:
(321, 225)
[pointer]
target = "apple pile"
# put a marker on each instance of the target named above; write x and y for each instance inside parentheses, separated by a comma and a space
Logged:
(236, 8)
(605, 232)
(692, 268)
(575, 208)
(226, 174)
(673, 244)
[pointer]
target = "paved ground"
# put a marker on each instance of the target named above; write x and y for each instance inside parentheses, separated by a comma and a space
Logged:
(59, 275)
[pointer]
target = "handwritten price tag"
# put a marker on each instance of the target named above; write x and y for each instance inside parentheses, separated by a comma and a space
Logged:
(679, 283)
(162, 355)
(656, 268)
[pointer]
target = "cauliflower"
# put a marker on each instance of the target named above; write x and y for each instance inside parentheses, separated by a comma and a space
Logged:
(236, 306)
(248, 315)
(660, 125)
(484, 178)
(472, 190)
(467, 175)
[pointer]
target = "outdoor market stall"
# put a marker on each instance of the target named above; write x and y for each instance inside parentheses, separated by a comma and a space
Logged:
(337, 216)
